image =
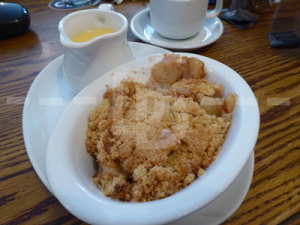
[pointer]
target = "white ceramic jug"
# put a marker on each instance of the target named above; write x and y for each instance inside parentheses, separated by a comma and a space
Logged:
(86, 61)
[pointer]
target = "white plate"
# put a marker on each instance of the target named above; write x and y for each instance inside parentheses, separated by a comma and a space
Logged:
(141, 27)
(47, 97)
(70, 168)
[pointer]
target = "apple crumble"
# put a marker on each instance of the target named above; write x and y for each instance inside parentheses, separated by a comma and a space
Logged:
(150, 141)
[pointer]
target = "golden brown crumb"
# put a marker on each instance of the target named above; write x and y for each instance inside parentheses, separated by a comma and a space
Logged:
(151, 143)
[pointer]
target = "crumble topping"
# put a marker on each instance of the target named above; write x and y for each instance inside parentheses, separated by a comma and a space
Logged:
(150, 141)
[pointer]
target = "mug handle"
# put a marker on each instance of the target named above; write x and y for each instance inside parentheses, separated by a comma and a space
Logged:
(216, 11)
(106, 7)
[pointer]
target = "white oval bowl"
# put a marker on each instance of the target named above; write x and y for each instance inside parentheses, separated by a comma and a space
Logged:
(70, 168)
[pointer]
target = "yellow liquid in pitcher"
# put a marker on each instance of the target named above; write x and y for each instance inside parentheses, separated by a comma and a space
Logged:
(91, 34)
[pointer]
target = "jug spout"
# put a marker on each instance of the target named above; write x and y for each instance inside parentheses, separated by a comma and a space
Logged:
(64, 39)
(66, 35)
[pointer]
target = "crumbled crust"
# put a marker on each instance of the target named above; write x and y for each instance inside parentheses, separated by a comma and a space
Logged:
(150, 144)
(195, 88)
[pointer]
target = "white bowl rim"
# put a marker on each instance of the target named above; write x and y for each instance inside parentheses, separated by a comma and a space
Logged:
(91, 209)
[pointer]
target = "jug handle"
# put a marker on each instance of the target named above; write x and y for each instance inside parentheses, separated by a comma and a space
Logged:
(106, 7)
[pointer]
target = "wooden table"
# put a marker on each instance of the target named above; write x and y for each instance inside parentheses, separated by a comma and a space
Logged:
(272, 73)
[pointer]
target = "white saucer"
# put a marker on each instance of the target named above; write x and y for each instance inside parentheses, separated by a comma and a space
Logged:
(48, 97)
(140, 26)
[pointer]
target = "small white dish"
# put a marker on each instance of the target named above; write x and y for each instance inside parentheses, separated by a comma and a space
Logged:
(141, 27)
(70, 168)
(39, 119)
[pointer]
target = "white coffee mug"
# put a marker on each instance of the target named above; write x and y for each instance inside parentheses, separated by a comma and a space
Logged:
(179, 19)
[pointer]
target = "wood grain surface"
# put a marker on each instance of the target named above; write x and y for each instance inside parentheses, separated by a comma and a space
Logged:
(272, 73)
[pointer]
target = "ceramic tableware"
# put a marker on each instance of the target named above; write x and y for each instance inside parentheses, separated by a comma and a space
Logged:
(70, 168)
(86, 61)
(50, 87)
(179, 19)
(141, 27)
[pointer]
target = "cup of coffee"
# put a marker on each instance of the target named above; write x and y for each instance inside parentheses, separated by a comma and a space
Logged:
(180, 19)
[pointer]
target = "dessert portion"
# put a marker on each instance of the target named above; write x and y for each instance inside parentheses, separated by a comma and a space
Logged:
(150, 141)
